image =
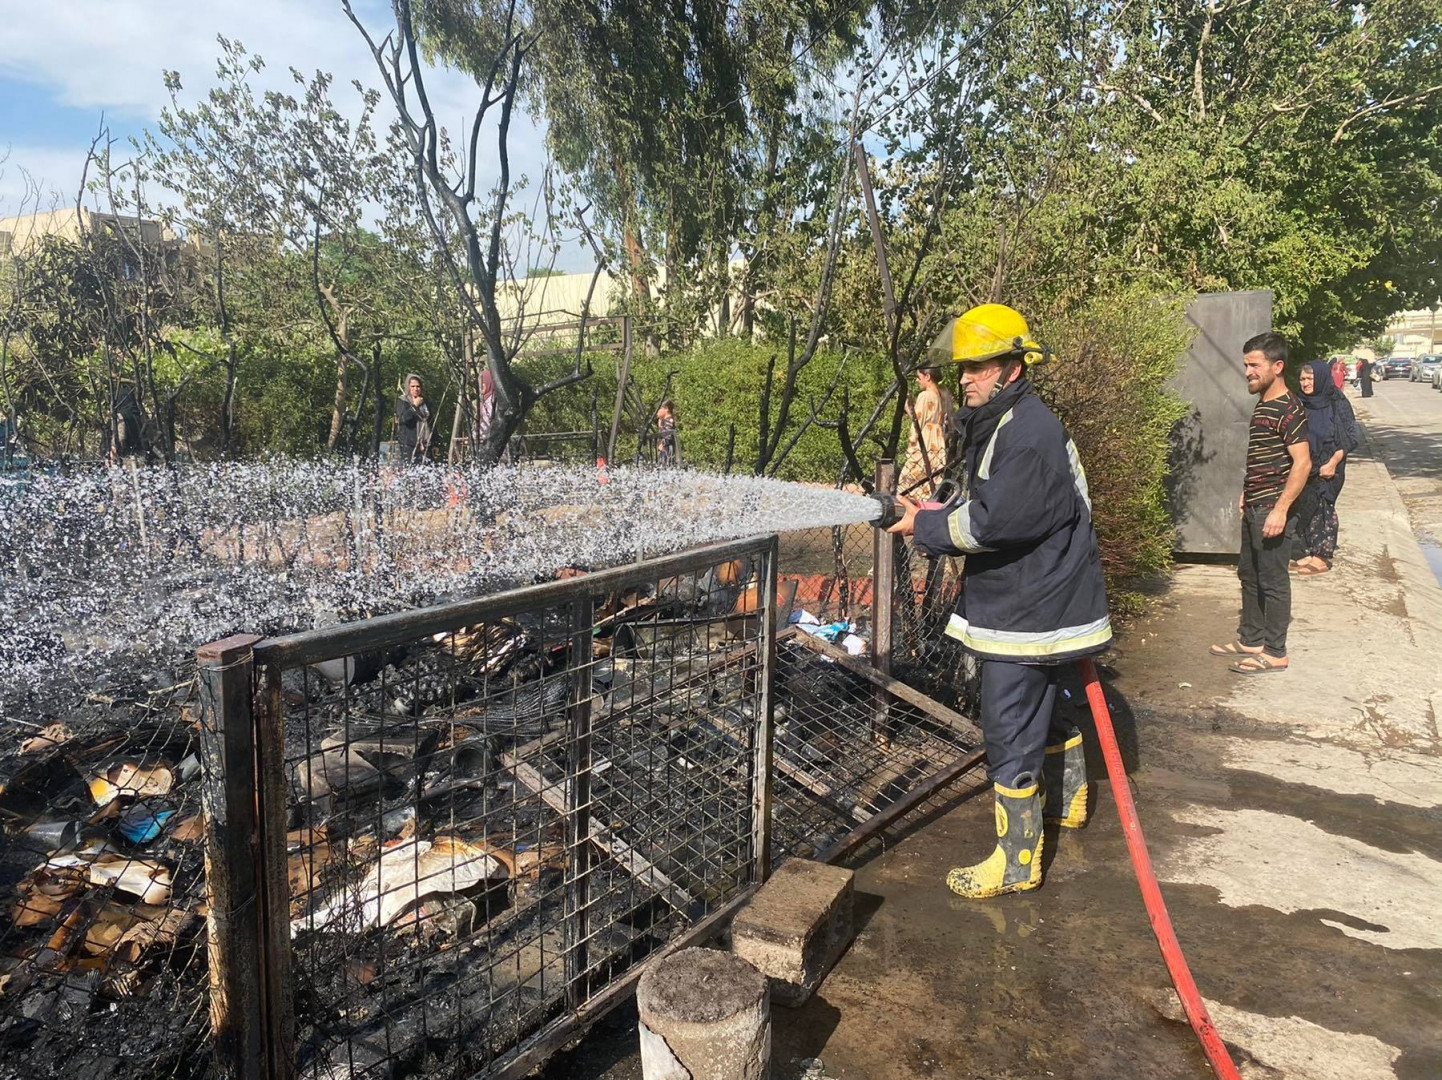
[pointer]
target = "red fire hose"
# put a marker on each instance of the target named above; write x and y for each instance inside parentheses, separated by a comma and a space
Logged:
(1196, 1011)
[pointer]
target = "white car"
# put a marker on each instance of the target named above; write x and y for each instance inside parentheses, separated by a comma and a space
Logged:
(1437, 378)
(1424, 367)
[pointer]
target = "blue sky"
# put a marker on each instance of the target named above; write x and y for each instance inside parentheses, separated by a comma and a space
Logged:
(66, 65)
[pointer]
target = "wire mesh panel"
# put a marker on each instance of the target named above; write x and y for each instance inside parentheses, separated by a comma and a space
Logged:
(832, 569)
(925, 595)
(491, 822)
(102, 892)
(845, 750)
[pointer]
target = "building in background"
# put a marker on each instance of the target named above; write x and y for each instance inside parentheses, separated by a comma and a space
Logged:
(19, 234)
(1416, 333)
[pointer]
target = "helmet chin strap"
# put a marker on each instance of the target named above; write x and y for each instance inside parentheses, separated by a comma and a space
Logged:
(1003, 380)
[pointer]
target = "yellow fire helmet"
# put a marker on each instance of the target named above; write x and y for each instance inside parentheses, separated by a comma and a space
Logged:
(988, 332)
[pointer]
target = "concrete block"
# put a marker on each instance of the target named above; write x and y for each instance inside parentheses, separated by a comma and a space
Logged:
(796, 927)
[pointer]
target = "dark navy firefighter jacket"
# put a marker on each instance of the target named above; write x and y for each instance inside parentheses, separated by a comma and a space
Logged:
(1032, 587)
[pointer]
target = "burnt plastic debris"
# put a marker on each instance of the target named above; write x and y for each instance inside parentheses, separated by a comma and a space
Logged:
(143, 821)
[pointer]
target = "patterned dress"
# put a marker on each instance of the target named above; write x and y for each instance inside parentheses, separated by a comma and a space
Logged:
(928, 428)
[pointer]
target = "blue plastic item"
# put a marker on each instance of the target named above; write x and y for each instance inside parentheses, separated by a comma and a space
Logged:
(142, 823)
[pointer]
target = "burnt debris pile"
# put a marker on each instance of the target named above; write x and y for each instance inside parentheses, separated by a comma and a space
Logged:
(102, 892)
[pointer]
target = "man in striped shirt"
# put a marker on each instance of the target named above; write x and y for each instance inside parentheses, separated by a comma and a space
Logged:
(1278, 462)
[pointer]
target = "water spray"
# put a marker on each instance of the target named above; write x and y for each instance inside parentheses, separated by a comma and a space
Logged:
(126, 570)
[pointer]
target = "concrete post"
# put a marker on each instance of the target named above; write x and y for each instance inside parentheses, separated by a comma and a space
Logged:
(705, 1015)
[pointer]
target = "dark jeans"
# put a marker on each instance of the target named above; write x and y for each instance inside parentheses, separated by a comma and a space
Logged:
(1266, 588)
(1017, 706)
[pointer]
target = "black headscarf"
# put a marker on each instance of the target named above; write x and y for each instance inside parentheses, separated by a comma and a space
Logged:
(1321, 409)
(1331, 424)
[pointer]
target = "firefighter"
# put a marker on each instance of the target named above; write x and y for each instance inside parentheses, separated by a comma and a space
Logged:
(1033, 597)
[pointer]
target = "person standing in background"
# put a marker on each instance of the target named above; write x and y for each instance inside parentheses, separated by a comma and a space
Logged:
(926, 445)
(666, 450)
(1364, 377)
(1279, 461)
(1331, 436)
(413, 422)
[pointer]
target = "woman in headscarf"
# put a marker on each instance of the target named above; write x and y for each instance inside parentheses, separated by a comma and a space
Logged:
(1332, 434)
(929, 417)
(413, 421)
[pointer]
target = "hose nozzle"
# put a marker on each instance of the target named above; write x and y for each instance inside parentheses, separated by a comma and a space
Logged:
(891, 511)
(892, 508)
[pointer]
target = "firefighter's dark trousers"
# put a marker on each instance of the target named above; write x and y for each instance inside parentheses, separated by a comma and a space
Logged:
(1017, 706)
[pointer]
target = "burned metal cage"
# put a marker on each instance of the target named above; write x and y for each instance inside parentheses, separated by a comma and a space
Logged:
(476, 820)
(438, 843)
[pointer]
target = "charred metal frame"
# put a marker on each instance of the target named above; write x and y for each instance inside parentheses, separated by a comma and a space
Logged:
(243, 737)
(842, 770)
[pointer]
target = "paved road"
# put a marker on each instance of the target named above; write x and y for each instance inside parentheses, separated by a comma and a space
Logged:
(1404, 424)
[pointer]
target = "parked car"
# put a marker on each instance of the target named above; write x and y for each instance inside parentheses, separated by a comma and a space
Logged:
(1396, 367)
(1437, 378)
(1423, 367)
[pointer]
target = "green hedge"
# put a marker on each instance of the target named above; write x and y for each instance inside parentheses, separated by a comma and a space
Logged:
(1108, 384)
(716, 384)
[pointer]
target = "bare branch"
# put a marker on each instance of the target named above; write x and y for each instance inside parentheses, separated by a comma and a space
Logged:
(1406, 99)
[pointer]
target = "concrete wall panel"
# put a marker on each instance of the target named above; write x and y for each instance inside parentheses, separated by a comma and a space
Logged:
(1209, 447)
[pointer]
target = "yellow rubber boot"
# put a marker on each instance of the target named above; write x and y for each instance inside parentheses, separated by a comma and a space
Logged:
(1065, 774)
(1015, 864)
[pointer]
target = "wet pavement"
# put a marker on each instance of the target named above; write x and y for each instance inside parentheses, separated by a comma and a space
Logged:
(1293, 819)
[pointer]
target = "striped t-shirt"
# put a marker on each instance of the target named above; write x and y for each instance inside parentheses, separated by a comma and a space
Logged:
(1276, 425)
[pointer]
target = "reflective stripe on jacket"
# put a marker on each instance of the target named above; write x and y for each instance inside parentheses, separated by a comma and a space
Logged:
(1032, 587)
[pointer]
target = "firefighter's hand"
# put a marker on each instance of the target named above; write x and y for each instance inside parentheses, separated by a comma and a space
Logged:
(1275, 525)
(907, 525)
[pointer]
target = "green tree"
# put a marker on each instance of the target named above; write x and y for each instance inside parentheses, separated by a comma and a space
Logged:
(277, 185)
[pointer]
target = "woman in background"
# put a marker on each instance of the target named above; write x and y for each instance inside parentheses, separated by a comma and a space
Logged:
(667, 451)
(1332, 433)
(413, 422)
(929, 417)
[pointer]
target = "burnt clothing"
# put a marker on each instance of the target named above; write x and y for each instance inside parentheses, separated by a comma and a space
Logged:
(1018, 703)
(1276, 425)
(413, 428)
(1032, 585)
(1266, 587)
